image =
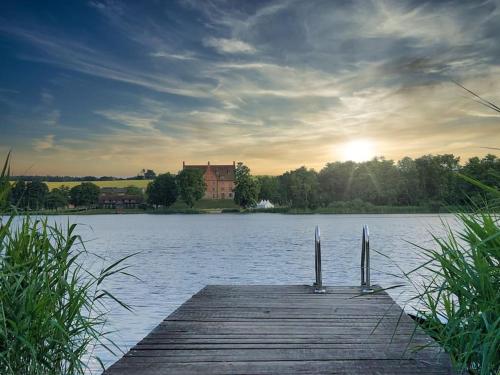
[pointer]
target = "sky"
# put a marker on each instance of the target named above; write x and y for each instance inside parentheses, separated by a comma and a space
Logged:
(112, 87)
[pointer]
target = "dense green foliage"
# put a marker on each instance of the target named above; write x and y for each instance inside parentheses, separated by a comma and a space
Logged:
(163, 190)
(191, 185)
(426, 181)
(300, 188)
(58, 198)
(134, 190)
(86, 194)
(148, 174)
(247, 187)
(269, 188)
(429, 181)
(30, 195)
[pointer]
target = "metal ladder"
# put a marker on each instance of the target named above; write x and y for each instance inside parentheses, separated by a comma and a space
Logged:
(365, 262)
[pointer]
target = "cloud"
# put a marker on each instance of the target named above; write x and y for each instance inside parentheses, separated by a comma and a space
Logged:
(46, 97)
(231, 46)
(174, 56)
(287, 81)
(52, 117)
(44, 143)
(68, 54)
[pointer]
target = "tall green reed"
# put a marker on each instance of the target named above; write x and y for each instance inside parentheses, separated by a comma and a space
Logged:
(460, 295)
(52, 308)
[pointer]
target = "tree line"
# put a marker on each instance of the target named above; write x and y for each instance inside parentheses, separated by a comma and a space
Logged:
(35, 195)
(430, 180)
(145, 174)
(427, 180)
(164, 190)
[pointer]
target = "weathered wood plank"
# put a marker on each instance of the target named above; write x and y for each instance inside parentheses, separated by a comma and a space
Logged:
(268, 329)
(130, 367)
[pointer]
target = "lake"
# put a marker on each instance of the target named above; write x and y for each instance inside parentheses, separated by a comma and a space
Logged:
(180, 254)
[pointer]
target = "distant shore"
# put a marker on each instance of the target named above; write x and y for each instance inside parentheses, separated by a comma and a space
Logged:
(278, 210)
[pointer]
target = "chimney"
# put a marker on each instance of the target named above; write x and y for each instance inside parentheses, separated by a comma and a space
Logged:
(234, 164)
(183, 164)
(209, 163)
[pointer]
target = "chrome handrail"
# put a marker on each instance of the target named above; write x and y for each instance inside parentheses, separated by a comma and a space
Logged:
(365, 260)
(318, 285)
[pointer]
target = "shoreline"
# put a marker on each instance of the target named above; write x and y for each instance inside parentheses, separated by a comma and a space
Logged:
(376, 210)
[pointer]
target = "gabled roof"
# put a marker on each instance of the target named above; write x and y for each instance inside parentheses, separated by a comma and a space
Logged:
(221, 171)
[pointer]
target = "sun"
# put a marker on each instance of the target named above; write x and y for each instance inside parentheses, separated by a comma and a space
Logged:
(358, 150)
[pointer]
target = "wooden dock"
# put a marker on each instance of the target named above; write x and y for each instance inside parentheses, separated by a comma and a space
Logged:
(229, 329)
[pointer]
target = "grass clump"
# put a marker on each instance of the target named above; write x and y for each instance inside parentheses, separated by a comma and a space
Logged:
(52, 308)
(461, 292)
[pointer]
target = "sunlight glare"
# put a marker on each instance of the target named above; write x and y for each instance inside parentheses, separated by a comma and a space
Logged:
(358, 150)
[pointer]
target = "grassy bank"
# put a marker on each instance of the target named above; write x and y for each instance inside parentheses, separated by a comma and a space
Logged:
(206, 204)
(361, 210)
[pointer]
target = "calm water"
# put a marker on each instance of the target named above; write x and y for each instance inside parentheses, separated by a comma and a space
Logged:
(179, 254)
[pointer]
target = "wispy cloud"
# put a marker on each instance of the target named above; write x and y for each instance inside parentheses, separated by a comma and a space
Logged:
(223, 45)
(44, 143)
(174, 56)
(68, 54)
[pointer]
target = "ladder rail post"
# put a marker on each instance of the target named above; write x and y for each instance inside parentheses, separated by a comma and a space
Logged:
(318, 285)
(365, 261)
(363, 258)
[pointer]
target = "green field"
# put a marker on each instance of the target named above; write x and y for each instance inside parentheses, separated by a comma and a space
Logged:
(116, 184)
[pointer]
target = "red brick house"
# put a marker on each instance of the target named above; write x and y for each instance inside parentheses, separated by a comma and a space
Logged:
(218, 178)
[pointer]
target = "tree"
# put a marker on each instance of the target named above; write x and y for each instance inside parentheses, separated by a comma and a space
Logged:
(247, 188)
(269, 188)
(163, 190)
(36, 193)
(133, 190)
(408, 184)
(335, 181)
(149, 174)
(437, 178)
(58, 198)
(301, 188)
(146, 174)
(375, 181)
(85, 194)
(486, 170)
(191, 185)
(18, 194)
